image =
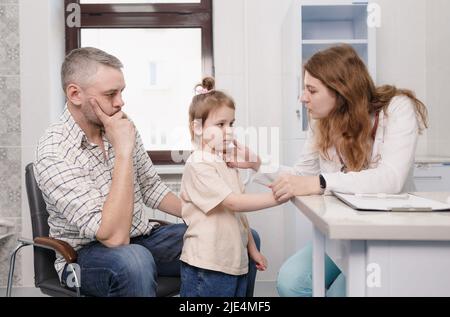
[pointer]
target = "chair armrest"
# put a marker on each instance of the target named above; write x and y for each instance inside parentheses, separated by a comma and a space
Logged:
(62, 247)
(161, 222)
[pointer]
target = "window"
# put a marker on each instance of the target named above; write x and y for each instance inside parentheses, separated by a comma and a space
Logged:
(166, 48)
(138, 1)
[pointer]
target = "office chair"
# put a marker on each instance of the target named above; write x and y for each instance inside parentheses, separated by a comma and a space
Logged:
(45, 275)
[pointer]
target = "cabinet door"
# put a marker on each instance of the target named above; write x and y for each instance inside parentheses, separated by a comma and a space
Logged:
(323, 26)
(294, 116)
(432, 177)
(311, 26)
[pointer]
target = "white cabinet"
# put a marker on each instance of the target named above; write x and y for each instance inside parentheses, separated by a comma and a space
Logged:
(311, 26)
(432, 177)
(323, 26)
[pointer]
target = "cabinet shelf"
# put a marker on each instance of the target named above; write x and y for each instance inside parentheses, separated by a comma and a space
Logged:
(330, 12)
(323, 26)
(312, 26)
(326, 42)
(309, 49)
(334, 22)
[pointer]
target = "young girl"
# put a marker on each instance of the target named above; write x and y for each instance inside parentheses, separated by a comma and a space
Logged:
(218, 240)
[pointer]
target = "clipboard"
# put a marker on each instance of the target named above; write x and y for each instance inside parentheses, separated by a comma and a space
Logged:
(410, 203)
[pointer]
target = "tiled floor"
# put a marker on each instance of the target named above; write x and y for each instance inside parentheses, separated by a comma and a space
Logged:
(262, 289)
(266, 289)
(23, 292)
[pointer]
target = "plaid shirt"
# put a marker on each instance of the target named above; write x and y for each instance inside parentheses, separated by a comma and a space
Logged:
(75, 178)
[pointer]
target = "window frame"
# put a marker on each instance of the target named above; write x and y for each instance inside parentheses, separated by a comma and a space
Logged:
(154, 15)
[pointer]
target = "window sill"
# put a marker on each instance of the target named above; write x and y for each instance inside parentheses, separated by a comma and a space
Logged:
(169, 169)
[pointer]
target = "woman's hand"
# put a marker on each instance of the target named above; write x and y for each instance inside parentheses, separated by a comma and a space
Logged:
(242, 157)
(288, 186)
(260, 260)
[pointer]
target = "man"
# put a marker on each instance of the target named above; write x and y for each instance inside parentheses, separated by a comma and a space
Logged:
(95, 176)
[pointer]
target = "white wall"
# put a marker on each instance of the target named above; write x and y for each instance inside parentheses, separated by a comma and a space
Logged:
(41, 55)
(401, 50)
(413, 49)
(437, 75)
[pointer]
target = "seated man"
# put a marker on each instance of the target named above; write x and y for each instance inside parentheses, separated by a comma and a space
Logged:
(95, 176)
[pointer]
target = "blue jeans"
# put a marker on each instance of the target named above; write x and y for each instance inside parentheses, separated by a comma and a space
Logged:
(197, 282)
(210, 279)
(295, 276)
(131, 270)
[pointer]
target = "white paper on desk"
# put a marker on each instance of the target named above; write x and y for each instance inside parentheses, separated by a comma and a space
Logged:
(388, 204)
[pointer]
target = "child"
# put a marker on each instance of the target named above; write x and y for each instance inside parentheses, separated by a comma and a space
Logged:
(218, 240)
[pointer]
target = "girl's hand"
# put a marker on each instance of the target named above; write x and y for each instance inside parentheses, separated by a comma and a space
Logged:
(288, 186)
(241, 156)
(260, 260)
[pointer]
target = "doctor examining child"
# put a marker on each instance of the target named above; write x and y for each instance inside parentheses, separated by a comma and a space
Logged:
(362, 139)
(218, 243)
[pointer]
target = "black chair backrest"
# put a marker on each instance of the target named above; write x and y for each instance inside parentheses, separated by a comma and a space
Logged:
(43, 259)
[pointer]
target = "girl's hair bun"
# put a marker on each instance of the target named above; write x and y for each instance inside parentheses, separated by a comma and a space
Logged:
(208, 83)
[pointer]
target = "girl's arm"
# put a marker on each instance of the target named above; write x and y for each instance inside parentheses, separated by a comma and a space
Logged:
(249, 202)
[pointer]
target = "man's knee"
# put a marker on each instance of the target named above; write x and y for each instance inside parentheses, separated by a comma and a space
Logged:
(135, 259)
(135, 270)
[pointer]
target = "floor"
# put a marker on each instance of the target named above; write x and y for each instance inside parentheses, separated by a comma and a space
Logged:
(262, 289)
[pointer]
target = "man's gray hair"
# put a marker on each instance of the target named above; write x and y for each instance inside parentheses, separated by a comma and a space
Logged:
(82, 63)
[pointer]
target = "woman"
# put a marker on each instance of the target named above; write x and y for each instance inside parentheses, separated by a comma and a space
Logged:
(362, 139)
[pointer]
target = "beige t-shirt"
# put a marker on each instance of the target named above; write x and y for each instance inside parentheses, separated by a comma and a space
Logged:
(216, 238)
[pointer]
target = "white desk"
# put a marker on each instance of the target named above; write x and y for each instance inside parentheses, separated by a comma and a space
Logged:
(380, 253)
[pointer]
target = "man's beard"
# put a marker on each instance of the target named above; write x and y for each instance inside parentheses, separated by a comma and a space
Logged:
(94, 120)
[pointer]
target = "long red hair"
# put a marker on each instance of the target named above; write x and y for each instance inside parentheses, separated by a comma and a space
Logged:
(348, 127)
